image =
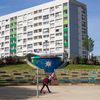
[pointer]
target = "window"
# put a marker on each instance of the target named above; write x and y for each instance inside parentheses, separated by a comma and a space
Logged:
(58, 14)
(84, 52)
(37, 50)
(46, 30)
(58, 6)
(58, 42)
(7, 49)
(30, 39)
(46, 36)
(35, 12)
(51, 9)
(30, 14)
(52, 36)
(30, 21)
(45, 23)
(58, 34)
(52, 42)
(46, 10)
(38, 24)
(58, 48)
(52, 25)
(7, 26)
(38, 11)
(2, 32)
(30, 33)
(30, 26)
(59, 29)
(24, 33)
(35, 44)
(7, 42)
(24, 45)
(29, 46)
(40, 37)
(52, 15)
(45, 17)
(24, 40)
(6, 37)
(37, 18)
(2, 44)
(35, 31)
(25, 17)
(19, 40)
(52, 49)
(24, 28)
(40, 30)
(35, 37)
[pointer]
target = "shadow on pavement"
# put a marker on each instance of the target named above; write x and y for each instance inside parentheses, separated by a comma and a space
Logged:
(16, 93)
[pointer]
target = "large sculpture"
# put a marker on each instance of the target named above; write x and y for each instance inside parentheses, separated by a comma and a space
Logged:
(48, 63)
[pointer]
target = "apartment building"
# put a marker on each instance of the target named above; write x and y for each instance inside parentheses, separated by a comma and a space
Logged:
(53, 28)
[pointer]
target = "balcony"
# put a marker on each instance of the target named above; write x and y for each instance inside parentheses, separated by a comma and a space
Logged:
(14, 20)
(13, 39)
(65, 15)
(13, 45)
(65, 44)
(13, 32)
(65, 7)
(13, 26)
(13, 50)
(65, 22)
(65, 29)
(66, 37)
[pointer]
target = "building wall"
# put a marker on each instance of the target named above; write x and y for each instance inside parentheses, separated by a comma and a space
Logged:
(73, 13)
(27, 31)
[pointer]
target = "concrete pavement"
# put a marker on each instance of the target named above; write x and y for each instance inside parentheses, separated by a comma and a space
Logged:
(68, 92)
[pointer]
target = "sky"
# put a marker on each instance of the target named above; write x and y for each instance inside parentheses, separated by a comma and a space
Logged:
(93, 7)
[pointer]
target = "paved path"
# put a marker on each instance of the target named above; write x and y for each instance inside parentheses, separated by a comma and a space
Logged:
(68, 92)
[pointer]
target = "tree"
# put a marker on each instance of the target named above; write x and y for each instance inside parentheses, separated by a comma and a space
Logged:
(91, 44)
(88, 43)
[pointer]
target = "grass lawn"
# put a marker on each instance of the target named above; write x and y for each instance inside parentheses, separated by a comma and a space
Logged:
(19, 67)
(25, 67)
(82, 67)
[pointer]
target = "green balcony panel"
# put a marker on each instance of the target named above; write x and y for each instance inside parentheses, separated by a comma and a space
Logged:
(65, 7)
(13, 32)
(13, 50)
(13, 44)
(13, 26)
(65, 22)
(14, 20)
(65, 29)
(66, 37)
(13, 39)
(65, 44)
(65, 15)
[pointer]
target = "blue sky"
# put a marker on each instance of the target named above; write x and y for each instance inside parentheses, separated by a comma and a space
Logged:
(8, 6)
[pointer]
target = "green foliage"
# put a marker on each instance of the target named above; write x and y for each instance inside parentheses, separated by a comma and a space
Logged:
(91, 45)
(88, 43)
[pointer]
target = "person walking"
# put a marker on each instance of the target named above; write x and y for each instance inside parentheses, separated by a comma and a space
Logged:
(45, 82)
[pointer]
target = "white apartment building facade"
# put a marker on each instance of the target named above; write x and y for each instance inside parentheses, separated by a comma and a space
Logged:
(50, 28)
